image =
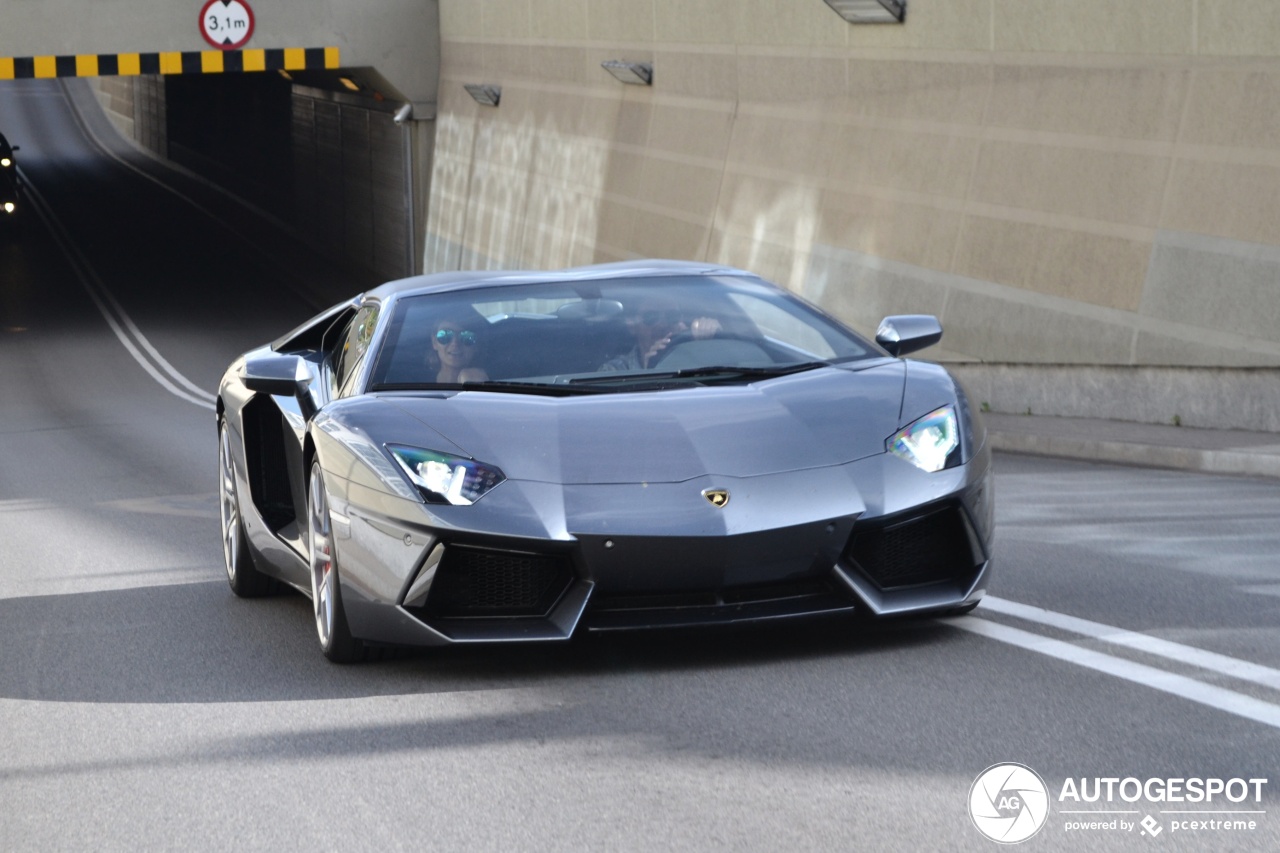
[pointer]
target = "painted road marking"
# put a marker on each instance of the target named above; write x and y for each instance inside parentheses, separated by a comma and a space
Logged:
(117, 319)
(1220, 698)
(1212, 661)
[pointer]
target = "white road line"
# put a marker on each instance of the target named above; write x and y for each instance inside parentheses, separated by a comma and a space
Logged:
(1167, 682)
(1211, 661)
(123, 328)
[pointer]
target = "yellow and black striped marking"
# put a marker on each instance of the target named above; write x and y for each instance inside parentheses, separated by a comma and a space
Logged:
(174, 62)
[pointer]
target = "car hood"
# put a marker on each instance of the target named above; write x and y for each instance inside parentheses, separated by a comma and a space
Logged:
(818, 418)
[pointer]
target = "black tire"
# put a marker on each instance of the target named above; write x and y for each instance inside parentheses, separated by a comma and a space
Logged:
(336, 642)
(243, 576)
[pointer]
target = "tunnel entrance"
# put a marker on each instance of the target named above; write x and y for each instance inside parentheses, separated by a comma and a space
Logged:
(331, 165)
(235, 130)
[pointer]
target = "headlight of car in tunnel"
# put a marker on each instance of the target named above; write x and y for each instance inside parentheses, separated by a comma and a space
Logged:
(443, 478)
(5, 162)
(931, 443)
(10, 207)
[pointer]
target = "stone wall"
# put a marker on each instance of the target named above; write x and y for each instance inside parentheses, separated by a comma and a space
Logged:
(1062, 182)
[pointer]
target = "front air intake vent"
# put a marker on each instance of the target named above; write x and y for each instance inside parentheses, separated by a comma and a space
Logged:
(479, 583)
(932, 547)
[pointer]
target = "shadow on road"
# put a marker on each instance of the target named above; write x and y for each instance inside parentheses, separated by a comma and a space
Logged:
(199, 643)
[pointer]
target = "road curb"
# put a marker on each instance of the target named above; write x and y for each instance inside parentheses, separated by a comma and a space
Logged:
(1245, 461)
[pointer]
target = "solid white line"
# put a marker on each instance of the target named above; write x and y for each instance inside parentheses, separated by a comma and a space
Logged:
(1167, 682)
(90, 279)
(97, 292)
(151, 350)
(1212, 661)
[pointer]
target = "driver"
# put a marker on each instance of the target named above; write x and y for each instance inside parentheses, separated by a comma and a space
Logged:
(654, 321)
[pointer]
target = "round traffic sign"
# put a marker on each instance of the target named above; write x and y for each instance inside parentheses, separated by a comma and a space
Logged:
(226, 24)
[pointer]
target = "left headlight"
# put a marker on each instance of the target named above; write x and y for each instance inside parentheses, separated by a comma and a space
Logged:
(443, 478)
(931, 443)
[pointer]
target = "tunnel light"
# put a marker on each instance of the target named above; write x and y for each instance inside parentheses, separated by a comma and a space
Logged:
(634, 73)
(349, 83)
(870, 11)
(484, 94)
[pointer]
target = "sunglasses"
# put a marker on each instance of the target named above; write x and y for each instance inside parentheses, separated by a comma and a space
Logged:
(653, 318)
(444, 337)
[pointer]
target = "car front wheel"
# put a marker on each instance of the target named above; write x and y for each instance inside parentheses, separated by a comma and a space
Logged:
(336, 641)
(244, 578)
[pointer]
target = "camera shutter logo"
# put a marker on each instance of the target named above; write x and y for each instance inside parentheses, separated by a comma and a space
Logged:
(1008, 803)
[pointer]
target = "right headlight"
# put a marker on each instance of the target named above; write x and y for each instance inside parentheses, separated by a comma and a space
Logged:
(444, 478)
(931, 443)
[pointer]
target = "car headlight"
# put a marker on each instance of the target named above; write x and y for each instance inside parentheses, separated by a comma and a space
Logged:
(931, 443)
(6, 162)
(443, 478)
(9, 207)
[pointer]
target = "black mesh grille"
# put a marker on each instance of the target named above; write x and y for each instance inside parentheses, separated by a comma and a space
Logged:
(477, 582)
(923, 549)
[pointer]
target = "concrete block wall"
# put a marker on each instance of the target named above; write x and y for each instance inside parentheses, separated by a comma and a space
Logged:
(136, 106)
(1063, 182)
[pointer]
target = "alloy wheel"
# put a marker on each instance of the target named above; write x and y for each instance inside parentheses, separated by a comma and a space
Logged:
(322, 575)
(229, 505)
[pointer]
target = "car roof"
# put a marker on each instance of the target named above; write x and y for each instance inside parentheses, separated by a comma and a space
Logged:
(469, 279)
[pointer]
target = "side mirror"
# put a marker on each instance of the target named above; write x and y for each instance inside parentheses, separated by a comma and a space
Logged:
(281, 375)
(904, 333)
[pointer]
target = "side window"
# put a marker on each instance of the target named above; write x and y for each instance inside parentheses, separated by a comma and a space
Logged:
(352, 350)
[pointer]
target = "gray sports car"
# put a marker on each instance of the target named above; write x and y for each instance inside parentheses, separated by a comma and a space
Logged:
(514, 456)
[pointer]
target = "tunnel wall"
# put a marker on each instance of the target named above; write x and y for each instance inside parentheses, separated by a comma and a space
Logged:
(1070, 185)
(350, 179)
(136, 106)
(332, 169)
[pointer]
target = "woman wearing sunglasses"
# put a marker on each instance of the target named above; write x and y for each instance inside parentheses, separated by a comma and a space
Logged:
(454, 350)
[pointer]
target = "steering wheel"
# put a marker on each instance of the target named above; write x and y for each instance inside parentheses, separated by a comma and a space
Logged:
(683, 339)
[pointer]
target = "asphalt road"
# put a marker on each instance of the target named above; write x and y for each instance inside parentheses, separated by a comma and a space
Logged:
(1132, 630)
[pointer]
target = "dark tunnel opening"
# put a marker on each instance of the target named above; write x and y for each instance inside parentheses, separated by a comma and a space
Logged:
(236, 131)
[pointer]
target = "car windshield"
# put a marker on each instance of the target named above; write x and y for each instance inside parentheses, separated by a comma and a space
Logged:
(607, 335)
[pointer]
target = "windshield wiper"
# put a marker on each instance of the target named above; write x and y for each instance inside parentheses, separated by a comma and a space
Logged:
(755, 372)
(490, 385)
(727, 372)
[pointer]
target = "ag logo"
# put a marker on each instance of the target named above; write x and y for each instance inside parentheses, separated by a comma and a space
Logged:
(1008, 803)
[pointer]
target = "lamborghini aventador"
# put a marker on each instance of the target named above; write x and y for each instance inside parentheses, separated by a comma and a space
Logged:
(525, 456)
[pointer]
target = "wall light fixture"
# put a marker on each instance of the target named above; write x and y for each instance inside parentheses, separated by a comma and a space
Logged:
(635, 73)
(870, 11)
(485, 94)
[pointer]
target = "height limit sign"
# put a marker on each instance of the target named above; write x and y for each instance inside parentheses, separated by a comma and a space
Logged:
(226, 24)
